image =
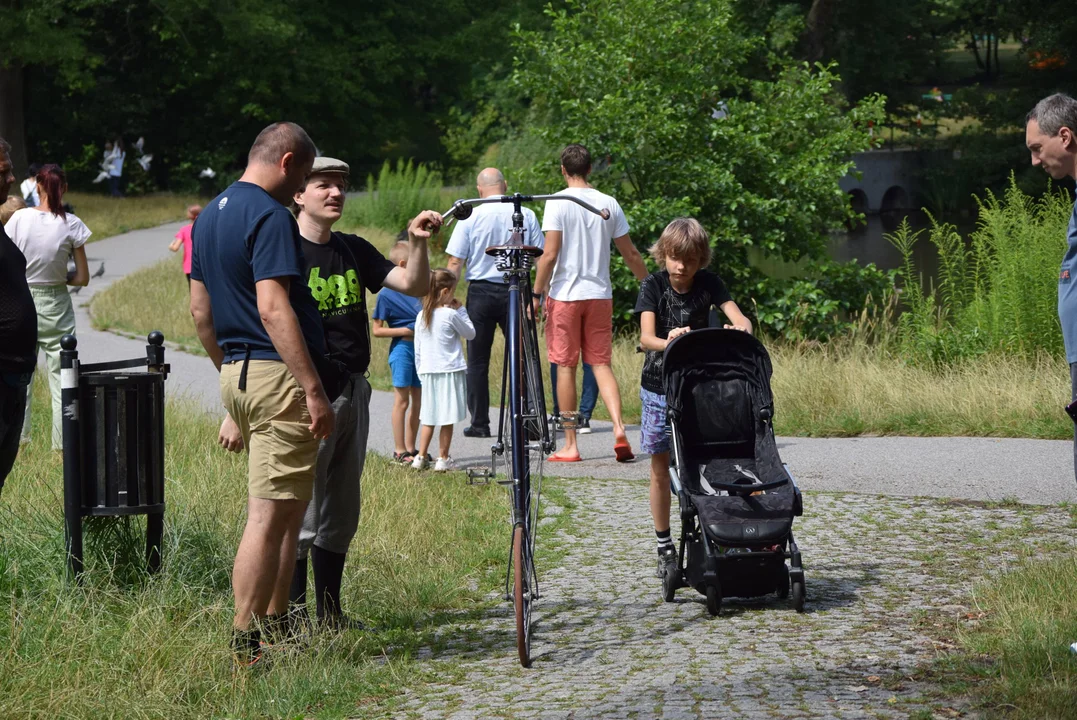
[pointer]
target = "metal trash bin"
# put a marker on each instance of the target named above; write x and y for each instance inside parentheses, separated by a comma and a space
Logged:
(114, 443)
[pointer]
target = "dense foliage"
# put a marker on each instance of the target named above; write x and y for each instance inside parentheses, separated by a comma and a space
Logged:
(996, 292)
(679, 123)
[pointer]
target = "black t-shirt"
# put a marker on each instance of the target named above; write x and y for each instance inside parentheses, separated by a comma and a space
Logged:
(18, 316)
(338, 274)
(673, 310)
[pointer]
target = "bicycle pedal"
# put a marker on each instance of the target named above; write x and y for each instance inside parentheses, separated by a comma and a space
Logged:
(567, 421)
(479, 475)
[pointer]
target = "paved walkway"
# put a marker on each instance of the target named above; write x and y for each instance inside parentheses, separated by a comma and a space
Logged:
(1030, 471)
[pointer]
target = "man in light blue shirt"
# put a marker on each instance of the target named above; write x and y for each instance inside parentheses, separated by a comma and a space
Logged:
(1051, 138)
(487, 293)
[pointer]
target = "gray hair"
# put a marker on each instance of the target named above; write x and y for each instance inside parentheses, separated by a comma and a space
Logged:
(5, 148)
(1053, 113)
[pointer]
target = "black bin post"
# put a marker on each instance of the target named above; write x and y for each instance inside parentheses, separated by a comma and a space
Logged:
(114, 443)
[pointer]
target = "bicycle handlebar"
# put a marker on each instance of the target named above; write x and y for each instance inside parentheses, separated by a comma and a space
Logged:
(461, 209)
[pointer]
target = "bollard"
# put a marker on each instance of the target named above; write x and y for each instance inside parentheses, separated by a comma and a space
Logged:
(69, 400)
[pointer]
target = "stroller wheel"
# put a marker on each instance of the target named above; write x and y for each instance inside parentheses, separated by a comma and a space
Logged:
(798, 595)
(714, 599)
(670, 583)
(783, 582)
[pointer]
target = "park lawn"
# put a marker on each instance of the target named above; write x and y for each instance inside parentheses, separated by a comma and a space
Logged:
(1014, 652)
(107, 216)
(429, 547)
(842, 389)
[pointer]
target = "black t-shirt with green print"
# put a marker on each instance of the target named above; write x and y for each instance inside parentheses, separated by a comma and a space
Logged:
(338, 274)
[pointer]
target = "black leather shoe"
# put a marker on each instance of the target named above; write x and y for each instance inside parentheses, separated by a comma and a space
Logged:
(472, 431)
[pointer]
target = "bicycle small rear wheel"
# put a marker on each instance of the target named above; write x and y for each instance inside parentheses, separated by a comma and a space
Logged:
(521, 593)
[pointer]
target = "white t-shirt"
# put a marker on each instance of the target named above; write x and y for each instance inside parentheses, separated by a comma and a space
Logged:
(29, 190)
(46, 241)
(489, 225)
(438, 348)
(118, 156)
(582, 271)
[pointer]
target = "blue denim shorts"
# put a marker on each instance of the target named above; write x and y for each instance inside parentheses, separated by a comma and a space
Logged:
(654, 427)
(402, 366)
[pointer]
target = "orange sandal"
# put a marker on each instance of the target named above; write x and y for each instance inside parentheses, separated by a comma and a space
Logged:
(562, 458)
(623, 451)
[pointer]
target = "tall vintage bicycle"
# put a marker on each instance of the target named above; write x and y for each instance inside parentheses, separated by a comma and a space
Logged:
(524, 431)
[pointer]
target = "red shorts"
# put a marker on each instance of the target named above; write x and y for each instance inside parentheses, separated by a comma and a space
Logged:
(575, 325)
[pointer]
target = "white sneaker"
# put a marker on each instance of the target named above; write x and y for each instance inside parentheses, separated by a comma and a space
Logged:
(583, 426)
(419, 463)
(444, 464)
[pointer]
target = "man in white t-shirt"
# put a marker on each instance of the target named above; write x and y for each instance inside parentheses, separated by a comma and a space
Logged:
(575, 271)
(487, 292)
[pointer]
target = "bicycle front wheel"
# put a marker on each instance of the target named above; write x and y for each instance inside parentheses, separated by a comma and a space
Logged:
(523, 576)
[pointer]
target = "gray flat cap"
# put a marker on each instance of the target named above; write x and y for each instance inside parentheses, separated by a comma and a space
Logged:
(329, 165)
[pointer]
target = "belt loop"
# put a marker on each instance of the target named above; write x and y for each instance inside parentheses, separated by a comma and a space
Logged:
(243, 370)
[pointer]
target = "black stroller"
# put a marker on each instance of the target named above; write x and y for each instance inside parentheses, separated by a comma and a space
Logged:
(737, 499)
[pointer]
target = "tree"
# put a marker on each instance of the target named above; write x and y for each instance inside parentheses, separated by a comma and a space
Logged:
(662, 89)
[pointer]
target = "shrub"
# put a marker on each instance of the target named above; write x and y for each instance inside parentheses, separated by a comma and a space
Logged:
(996, 291)
(395, 197)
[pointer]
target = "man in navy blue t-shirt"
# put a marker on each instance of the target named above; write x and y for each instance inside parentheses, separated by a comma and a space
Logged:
(260, 325)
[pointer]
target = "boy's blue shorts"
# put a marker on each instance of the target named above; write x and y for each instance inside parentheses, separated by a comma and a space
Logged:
(402, 365)
(654, 427)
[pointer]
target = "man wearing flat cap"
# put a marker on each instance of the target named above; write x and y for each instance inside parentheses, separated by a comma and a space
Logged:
(339, 269)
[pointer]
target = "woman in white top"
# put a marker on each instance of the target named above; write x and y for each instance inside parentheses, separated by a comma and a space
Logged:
(439, 359)
(48, 237)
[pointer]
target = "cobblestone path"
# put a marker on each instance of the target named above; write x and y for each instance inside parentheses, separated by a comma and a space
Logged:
(880, 573)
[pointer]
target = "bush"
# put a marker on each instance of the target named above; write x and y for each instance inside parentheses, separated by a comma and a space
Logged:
(673, 95)
(395, 197)
(995, 292)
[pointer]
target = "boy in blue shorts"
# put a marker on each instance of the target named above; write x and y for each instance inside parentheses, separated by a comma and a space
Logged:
(394, 317)
(673, 301)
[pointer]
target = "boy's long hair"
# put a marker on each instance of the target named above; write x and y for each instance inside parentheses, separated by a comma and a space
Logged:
(440, 278)
(683, 238)
(52, 180)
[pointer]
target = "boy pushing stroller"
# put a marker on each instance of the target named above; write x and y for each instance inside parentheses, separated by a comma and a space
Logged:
(711, 415)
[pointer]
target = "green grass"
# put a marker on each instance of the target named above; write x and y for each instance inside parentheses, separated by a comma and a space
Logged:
(107, 216)
(1018, 653)
(429, 548)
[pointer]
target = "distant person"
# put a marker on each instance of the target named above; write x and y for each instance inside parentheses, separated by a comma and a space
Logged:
(18, 328)
(340, 269)
(48, 236)
(183, 240)
(575, 270)
(115, 170)
(13, 204)
(1051, 138)
(487, 291)
(28, 188)
(259, 324)
(394, 317)
(439, 356)
(673, 301)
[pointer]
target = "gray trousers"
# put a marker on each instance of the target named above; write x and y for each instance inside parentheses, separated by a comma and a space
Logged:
(333, 513)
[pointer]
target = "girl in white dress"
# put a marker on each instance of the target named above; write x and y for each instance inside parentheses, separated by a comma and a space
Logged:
(48, 237)
(439, 359)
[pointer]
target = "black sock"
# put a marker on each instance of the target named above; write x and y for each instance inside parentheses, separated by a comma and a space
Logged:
(246, 643)
(328, 573)
(297, 593)
(665, 542)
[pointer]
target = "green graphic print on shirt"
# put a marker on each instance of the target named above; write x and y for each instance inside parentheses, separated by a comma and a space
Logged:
(337, 294)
